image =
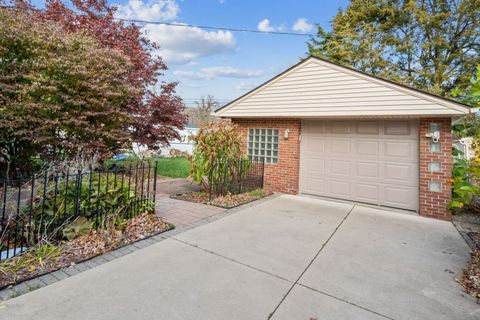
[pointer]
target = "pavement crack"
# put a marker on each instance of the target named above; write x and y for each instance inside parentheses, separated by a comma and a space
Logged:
(310, 263)
(345, 301)
(231, 260)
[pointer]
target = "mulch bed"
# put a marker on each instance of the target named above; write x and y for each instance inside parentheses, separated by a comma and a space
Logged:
(469, 225)
(28, 265)
(470, 279)
(227, 201)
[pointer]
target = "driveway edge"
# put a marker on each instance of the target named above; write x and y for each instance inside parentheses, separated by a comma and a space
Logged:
(67, 272)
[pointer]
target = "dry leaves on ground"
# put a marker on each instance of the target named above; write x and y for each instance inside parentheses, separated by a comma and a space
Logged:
(46, 258)
(227, 201)
(470, 279)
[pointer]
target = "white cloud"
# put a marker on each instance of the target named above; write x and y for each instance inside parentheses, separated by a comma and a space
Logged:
(231, 72)
(245, 86)
(191, 85)
(209, 73)
(301, 25)
(180, 45)
(192, 75)
(153, 10)
(222, 1)
(265, 26)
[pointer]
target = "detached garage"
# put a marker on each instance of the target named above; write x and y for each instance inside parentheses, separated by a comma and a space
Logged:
(327, 130)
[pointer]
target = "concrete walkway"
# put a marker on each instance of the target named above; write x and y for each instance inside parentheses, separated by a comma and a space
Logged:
(291, 257)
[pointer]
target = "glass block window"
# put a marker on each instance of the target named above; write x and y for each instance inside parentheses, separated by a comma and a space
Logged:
(434, 166)
(433, 126)
(263, 145)
(434, 186)
(435, 147)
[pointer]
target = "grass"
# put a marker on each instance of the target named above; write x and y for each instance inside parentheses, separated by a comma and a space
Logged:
(257, 193)
(178, 167)
(173, 167)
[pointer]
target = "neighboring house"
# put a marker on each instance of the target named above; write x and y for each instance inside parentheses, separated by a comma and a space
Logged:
(327, 130)
(184, 144)
(465, 145)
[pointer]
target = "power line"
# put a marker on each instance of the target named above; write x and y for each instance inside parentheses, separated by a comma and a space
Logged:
(186, 25)
(216, 28)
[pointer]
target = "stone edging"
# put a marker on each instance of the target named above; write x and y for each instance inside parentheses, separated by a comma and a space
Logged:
(66, 272)
(464, 235)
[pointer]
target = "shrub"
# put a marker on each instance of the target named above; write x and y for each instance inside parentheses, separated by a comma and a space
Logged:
(465, 174)
(216, 142)
(70, 207)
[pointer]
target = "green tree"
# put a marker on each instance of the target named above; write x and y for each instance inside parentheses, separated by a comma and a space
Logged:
(61, 93)
(466, 172)
(432, 45)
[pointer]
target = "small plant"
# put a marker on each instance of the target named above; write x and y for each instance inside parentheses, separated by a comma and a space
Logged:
(465, 174)
(80, 227)
(33, 260)
(257, 193)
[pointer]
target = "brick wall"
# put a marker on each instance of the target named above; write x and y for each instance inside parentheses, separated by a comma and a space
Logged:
(282, 176)
(432, 203)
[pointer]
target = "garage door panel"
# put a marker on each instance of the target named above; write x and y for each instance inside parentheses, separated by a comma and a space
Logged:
(397, 128)
(315, 165)
(397, 149)
(339, 188)
(397, 172)
(315, 185)
(368, 161)
(314, 127)
(367, 170)
(315, 145)
(368, 127)
(340, 146)
(400, 197)
(341, 167)
(340, 127)
(368, 147)
(367, 193)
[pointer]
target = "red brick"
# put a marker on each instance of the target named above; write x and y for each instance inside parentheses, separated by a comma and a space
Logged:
(435, 204)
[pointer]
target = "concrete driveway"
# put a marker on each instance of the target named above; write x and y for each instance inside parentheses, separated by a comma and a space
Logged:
(290, 257)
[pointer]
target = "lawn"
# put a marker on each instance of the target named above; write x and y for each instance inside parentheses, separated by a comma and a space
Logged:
(173, 167)
(178, 167)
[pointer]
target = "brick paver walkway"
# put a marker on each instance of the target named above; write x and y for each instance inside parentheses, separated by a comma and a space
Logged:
(181, 213)
(178, 212)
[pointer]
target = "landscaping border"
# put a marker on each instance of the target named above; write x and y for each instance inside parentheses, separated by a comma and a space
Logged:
(216, 205)
(38, 282)
(3, 287)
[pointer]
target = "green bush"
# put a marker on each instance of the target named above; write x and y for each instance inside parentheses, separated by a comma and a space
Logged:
(215, 143)
(97, 203)
(464, 176)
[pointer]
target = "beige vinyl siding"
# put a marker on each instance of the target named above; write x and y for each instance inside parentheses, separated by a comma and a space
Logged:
(319, 89)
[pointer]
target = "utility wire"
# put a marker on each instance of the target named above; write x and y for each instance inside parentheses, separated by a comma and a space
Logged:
(186, 25)
(216, 28)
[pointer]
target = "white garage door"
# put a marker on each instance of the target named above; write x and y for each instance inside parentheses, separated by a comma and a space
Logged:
(367, 161)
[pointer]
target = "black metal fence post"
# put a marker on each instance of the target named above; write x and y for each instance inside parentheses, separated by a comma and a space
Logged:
(155, 171)
(36, 209)
(235, 176)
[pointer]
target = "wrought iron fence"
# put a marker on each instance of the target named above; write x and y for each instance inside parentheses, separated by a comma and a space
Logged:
(235, 176)
(39, 208)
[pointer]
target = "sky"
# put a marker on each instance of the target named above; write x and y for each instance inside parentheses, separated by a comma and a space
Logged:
(222, 63)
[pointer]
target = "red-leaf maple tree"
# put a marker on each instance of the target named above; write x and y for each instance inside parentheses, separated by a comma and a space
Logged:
(155, 111)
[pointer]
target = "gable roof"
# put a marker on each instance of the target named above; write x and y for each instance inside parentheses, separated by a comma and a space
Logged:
(315, 88)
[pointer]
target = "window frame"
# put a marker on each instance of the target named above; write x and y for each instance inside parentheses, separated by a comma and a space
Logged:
(263, 136)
